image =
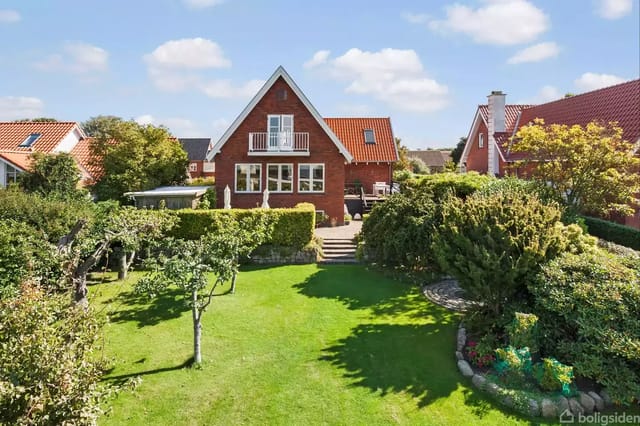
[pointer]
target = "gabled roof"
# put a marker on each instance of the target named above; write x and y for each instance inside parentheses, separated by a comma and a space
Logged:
(82, 154)
(279, 73)
(12, 134)
(620, 103)
(20, 160)
(431, 157)
(350, 131)
(196, 148)
(511, 113)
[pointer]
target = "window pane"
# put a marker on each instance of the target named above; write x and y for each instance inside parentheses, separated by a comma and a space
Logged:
(317, 172)
(255, 177)
(304, 172)
(304, 186)
(285, 186)
(318, 185)
(287, 172)
(241, 177)
(272, 184)
(272, 170)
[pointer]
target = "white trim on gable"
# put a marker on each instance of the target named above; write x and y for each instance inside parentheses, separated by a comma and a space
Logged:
(470, 141)
(280, 72)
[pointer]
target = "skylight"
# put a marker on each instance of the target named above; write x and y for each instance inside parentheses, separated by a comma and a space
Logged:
(369, 136)
(30, 140)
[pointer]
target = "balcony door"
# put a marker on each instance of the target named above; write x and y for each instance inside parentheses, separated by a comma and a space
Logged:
(280, 132)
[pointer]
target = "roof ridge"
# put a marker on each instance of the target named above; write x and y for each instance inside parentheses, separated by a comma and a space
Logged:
(590, 92)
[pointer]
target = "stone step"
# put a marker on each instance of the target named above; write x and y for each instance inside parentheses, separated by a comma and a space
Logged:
(340, 245)
(338, 261)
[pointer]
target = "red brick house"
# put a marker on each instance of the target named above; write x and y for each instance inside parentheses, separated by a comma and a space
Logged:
(280, 142)
(18, 140)
(197, 149)
(495, 124)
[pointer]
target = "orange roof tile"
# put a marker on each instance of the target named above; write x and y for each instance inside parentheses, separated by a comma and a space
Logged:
(350, 131)
(21, 160)
(82, 154)
(12, 134)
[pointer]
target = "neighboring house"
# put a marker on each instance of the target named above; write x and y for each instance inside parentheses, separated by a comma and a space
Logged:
(495, 124)
(432, 158)
(196, 149)
(280, 142)
(171, 197)
(18, 140)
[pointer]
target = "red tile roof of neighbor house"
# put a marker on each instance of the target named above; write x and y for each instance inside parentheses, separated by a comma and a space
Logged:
(82, 154)
(350, 131)
(22, 160)
(619, 103)
(511, 113)
(12, 134)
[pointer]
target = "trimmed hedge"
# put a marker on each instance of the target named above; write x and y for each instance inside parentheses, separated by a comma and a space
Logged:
(614, 232)
(293, 227)
(440, 184)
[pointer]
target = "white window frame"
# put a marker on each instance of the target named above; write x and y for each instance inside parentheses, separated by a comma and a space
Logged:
(311, 180)
(208, 167)
(248, 176)
(283, 138)
(279, 179)
(193, 167)
(481, 140)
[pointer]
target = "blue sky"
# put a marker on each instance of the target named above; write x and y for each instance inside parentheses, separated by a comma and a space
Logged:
(192, 65)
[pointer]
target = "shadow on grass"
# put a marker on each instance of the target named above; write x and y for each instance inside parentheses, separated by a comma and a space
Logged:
(122, 379)
(148, 311)
(359, 288)
(393, 358)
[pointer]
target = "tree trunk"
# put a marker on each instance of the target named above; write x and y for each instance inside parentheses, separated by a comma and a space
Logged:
(125, 264)
(79, 277)
(197, 328)
(233, 283)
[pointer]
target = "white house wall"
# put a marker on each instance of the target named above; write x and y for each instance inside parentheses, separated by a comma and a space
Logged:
(68, 142)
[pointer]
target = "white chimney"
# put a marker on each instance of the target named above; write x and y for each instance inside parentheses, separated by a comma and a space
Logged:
(496, 124)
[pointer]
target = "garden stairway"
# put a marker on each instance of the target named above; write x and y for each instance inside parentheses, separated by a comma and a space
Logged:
(338, 250)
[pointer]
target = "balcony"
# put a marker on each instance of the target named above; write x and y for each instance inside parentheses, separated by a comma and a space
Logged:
(279, 143)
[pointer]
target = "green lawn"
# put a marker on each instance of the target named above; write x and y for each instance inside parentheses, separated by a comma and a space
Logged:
(296, 345)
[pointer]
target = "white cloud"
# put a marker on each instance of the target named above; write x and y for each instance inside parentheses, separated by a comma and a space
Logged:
(535, 53)
(226, 90)
(17, 107)
(614, 9)
(592, 81)
(9, 16)
(178, 65)
(145, 119)
(188, 53)
(416, 18)
(319, 58)
(77, 58)
(545, 94)
(394, 76)
(501, 22)
(202, 4)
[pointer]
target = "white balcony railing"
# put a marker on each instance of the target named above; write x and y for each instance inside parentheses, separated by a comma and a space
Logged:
(295, 143)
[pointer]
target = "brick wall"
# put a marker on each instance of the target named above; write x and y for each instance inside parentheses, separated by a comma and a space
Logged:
(322, 150)
(368, 174)
(477, 159)
(199, 172)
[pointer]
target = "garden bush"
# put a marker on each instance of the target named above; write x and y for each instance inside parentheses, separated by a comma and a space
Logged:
(513, 364)
(552, 375)
(292, 227)
(482, 353)
(492, 243)
(588, 307)
(523, 331)
(440, 184)
(614, 232)
(50, 366)
(25, 254)
(399, 231)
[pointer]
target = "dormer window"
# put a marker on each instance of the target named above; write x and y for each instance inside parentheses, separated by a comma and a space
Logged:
(30, 140)
(481, 140)
(369, 136)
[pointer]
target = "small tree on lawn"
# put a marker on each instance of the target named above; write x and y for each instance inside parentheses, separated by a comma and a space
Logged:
(52, 175)
(187, 263)
(592, 167)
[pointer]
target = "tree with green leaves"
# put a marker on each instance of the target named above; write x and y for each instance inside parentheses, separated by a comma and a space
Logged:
(54, 175)
(403, 156)
(456, 153)
(36, 120)
(101, 126)
(592, 167)
(186, 265)
(137, 157)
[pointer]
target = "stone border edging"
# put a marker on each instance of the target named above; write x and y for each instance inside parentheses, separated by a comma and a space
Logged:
(552, 408)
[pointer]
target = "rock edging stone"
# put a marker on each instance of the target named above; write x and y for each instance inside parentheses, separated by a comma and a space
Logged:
(551, 408)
